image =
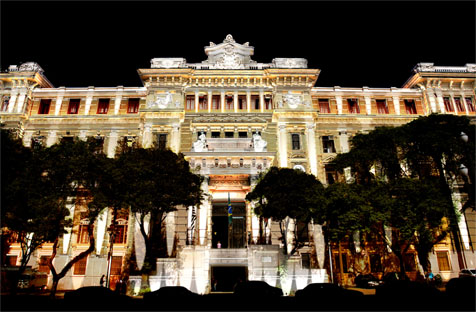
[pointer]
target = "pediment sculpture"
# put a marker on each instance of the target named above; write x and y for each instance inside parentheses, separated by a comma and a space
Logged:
(161, 101)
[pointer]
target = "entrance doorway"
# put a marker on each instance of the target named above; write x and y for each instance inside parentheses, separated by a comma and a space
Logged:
(224, 278)
(229, 235)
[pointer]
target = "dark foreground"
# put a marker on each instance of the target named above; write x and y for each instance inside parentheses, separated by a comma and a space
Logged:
(230, 302)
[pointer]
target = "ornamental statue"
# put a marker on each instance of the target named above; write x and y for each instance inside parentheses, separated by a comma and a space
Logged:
(258, 143)
(201, 144)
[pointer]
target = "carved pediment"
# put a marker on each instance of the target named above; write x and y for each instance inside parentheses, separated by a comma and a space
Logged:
(229, 55)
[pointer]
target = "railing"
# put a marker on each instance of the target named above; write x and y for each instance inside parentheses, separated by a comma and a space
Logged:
(229, 144)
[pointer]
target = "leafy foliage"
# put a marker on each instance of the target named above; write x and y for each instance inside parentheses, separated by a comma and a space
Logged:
(284, 193)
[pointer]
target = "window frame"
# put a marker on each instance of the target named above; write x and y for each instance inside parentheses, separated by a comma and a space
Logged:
(446, 258)
(79, 268)
(350, 107)
(103, 106)
(44, 107)
(379, 103)
(410, 107)
(327, 107)
(74, 104)
(469, 104)
(295, 143)
(133, 105)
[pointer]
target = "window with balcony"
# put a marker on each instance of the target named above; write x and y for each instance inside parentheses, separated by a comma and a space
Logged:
(382, 107)
(73, 107)
(353, 105)
(324, 107)
(133, 106)
(44, 106)
(443, 261)
(448, 105)
(470, 104)
(190, 102)
(162, 140)
(80, 266)
(103, 106)
(459, 105)
(328, 144)
(5, 101)
(410, 107)
(296, 142)
(216, 102)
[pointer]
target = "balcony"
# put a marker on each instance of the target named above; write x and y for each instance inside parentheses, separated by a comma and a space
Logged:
(230, 145)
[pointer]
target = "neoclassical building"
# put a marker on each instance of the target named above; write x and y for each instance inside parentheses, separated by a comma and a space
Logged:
(232, 118)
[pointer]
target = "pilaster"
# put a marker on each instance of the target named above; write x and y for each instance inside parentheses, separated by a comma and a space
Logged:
(248, 101)
(311, 146)
(283, 149)
(59, 100)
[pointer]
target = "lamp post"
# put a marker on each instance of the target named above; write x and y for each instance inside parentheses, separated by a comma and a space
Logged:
(112, 236)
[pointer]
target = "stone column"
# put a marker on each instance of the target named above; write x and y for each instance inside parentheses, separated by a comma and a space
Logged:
(13, 99)
(170, 231)
(441, 103)
(311, 148)
(112, 144)
(51, 139)
(261, 100)
(339, 104)
(368, 105)
(59, 100)
(196, 101)
(21, 101)
(431, 99)
(89, 99)
(396, 104)
(222, 101)
(175, 138)
(343, 141)
(283, 146)
(210, 101)
(235, 101)
(463, 101)
(118, 99)
(248, 101)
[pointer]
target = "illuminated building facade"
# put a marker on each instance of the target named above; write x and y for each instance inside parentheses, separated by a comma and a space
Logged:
(232, 118)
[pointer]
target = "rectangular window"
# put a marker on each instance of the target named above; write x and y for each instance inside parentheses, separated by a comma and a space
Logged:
(331, 175)
(296, 144)
(43, 264)
(459, 104)
(202, 103)
(116, 265)
(83, 235)
(229, 135)
(255, 102)
(469, 103)
(243, 135)
(328, 144)
(229, 103)
(375, 263)
(306, 260)
(121, 234)
(268, 103)
(190, 105)
(44, 106)
(448, 105)
(443, 261)
(162, 140)
(73, 106)
(80, 266)
(324, 107)
(216, 102)
(410, 107)
(103, 106)
(353, 106)
(215, 134)
(302, 231)
(133, 106)
(344, 262)
(12, 260)
(5, 101)
(382, 107)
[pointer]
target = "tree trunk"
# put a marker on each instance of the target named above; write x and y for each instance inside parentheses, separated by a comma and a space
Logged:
(402, 274)
(341, 266)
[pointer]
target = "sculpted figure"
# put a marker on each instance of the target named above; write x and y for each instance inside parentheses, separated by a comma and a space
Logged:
(201, 144)
(258, 143)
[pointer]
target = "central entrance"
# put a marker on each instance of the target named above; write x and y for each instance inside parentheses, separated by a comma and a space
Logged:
(226, 234)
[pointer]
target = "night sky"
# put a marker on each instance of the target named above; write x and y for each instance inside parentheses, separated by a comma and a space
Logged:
(355, 44)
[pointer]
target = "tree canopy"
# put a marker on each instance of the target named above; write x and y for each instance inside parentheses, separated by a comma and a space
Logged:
(283, 194)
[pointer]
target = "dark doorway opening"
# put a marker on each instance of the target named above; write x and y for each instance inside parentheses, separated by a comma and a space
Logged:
(224, 278)
(229, 236)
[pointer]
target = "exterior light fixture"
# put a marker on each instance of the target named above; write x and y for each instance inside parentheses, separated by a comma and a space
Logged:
(463, 170)
(464, 137)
